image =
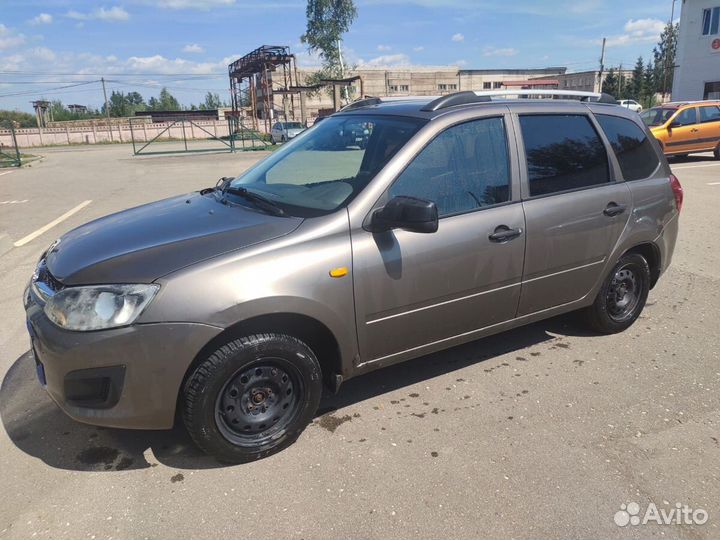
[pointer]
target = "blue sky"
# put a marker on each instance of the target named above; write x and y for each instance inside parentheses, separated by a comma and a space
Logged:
(186, 44)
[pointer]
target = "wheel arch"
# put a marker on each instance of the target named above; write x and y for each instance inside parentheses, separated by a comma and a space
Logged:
(311, 331)
(651, 253)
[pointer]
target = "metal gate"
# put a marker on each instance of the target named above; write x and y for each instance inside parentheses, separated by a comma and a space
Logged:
(10, 155)
(179, 135)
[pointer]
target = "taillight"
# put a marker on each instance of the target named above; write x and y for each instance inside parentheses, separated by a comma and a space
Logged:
(677, 191)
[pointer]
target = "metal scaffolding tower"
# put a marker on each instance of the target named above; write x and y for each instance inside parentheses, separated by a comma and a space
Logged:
(254, 78)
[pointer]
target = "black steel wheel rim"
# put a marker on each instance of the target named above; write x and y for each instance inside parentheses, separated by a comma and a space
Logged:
(259, 401)
(623, 295)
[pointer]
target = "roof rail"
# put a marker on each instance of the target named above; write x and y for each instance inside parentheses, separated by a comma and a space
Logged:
(462, 98)
(370, 100)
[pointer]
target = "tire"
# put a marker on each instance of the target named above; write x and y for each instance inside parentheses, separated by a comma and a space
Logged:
(252, 397)
(622, 296)
(717, 151)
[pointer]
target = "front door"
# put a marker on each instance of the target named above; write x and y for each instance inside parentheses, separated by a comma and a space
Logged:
(412, 290)
(574, 210)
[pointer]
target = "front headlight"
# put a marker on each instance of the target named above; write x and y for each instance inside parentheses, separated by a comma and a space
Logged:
(99, 307)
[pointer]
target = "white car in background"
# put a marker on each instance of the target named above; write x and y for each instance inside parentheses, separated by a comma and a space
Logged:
(284, 131)
(630, 104)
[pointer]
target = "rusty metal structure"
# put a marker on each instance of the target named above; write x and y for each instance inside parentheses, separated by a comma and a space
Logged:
(254, 78)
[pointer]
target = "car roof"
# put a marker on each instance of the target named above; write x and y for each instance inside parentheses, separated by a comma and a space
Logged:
(416, 107)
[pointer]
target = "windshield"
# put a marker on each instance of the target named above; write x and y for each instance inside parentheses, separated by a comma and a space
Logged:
(293, 125)
(326, 166)
(657, 116)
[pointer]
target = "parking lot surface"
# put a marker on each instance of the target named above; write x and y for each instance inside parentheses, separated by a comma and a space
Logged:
(544, 431)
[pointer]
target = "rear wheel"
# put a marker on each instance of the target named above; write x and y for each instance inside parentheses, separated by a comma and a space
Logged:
(252, 397)
(622, 296)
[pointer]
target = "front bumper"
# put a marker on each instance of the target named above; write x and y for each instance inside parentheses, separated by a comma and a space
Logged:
(138, 368)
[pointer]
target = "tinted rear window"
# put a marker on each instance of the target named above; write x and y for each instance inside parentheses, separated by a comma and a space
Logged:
(563, 152)
(633, 149)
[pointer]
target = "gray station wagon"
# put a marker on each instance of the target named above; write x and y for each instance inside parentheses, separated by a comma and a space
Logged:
(454, 218)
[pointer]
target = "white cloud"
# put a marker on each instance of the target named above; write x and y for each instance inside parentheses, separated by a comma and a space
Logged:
(193, 48)
(384, 48)
(9, 38)
(637, 31)
(419, 48)
(114, 14)
(494, 51)
(460, 63)
(458, 37)
(388, 60)
(43, 18)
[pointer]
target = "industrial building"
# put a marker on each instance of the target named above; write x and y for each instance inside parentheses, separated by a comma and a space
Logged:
(697, 60)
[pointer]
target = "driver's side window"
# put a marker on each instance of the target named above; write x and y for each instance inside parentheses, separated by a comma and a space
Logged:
(686, 117)
(464, 168)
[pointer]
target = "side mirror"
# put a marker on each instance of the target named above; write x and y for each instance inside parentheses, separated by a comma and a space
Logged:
(674, 124)
(408, 213)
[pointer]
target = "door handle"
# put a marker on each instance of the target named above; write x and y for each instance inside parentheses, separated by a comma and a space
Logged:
(693, 130)
(613, 209)
(503, 233)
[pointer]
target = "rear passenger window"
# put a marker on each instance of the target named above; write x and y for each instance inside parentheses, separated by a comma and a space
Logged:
(710, 113)
(633, 149)
(464, 168)
(563, 152)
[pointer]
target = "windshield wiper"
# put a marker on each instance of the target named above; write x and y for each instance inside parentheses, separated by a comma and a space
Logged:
(259, 201)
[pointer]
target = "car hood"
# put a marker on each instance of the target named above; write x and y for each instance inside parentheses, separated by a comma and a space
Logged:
(142, 244)
(294, 132)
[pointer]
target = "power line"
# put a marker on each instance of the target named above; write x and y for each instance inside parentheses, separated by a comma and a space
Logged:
(47, 90)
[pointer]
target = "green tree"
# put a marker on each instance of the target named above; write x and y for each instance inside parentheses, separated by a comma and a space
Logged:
(327, 21)
(635, 86)
(647, 94)
(20, 119)
(212, 101)
(165, 102)
(664, 58)
(118, 104)
(610, 84)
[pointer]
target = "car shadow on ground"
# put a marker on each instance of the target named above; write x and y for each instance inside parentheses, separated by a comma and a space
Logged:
(692, 158)
(38, 427)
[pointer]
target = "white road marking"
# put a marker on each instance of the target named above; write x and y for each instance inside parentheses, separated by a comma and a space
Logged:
(6, 172)
(695, 166)
(713, 183)
(33, 235)
(14, 202)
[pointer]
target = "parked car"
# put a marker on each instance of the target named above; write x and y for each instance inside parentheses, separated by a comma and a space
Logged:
(685, 127)
(284, 131)
(460, 218)
(630, 104)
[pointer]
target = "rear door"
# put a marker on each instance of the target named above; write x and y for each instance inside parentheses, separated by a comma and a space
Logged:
(575, 210)
(709, 126)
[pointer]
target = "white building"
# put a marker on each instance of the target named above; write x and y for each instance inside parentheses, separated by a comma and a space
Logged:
(697, 75)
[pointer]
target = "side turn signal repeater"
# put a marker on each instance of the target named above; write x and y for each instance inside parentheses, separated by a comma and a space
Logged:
(339, 272)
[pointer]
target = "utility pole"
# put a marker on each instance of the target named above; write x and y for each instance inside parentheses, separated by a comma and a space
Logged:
(602, 67)
(107, 107)
(665, 62)
(621, 78)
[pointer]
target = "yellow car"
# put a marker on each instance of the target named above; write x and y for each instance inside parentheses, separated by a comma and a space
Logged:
(685, 127)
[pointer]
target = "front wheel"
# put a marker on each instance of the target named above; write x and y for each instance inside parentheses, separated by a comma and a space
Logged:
(622, 296)
(252, 397)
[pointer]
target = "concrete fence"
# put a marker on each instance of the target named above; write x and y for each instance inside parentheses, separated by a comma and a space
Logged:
(142, 132)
